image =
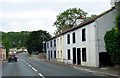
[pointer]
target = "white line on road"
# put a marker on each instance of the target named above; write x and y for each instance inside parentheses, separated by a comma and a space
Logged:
(41, 75)
(29, 65)
(34, 69)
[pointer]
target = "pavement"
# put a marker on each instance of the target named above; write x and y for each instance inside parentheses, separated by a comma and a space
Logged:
(110, 71)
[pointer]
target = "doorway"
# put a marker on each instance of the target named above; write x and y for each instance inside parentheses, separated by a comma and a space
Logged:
(78, 56)
(74, 55)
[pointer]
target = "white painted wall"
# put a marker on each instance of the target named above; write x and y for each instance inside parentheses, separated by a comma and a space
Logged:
(50, 49)
(103, 24)
(89, 44)
(59, 48)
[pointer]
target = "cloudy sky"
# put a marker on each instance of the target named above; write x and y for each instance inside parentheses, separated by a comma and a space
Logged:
(30, 15)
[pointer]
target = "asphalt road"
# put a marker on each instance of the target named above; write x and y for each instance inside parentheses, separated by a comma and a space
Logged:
(27, 67)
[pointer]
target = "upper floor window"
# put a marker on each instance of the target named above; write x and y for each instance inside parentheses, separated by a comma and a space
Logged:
(60, 40)
(68, 39)
(47, 44)
(74, 37)
(84, 34)
(51, 43)
(54, 43)
(57, 41)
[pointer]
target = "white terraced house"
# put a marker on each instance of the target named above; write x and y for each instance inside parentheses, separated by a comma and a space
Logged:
(84, 44)
(51, 49)
(60, 48)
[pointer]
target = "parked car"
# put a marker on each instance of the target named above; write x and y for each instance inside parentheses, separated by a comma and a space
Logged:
(12, 57)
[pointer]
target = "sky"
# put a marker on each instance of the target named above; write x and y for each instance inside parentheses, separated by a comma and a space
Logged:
(33, 15)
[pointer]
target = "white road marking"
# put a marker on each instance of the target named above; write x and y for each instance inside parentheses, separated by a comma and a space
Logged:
(41, 75)
(32, 68)
(29, 65)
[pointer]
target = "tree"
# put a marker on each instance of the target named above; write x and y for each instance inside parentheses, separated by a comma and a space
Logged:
(35, 40)
(14, 39)
(67, 19)
(112, 44)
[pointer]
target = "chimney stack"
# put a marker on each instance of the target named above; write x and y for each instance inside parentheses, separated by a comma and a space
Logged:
(79, 20)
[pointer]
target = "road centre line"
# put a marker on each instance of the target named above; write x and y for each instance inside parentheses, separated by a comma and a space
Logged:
(41, 75)
(29, 65)
(32, 68)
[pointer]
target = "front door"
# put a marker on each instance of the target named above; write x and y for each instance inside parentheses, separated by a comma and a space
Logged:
(74, 55)
(78, 56)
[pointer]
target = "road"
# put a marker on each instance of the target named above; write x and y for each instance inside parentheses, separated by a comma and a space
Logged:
(29, 67)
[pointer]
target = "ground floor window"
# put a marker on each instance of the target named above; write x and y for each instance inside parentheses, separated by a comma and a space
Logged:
(84, 54)
(58, 54)
(61, 53)
(68, 51)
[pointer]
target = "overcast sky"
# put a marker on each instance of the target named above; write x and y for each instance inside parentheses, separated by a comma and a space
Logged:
(30, 15)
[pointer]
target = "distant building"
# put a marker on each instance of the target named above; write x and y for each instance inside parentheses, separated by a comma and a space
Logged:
(2, 52)
(51, 48)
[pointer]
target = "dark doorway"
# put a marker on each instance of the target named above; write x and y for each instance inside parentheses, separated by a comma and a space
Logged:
(104, 59)
(78, 56)
(74, 55)
(49, 55)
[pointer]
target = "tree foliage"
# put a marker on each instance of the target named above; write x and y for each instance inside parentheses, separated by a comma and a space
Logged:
(35, 40)
(68, 18)
(112, 44)
(14, 39)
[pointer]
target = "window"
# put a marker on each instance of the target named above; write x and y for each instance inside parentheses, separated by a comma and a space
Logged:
(54, 54)
(83, 34)
(68, 51)
(54, 43)
(84, 54)
(60, 40)
(74, 37)
(51, 43)
(47, 44)
(58, 54)
(61, 53)
(57, 41)
(68, 39)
